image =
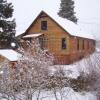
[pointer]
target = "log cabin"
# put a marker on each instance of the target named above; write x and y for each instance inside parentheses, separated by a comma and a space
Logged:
(64, 39)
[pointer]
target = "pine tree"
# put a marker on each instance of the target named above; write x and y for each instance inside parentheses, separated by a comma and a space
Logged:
(67, 10)
(7, 24)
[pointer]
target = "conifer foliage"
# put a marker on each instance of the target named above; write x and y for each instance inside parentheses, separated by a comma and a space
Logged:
(67, 10)
(7, 24)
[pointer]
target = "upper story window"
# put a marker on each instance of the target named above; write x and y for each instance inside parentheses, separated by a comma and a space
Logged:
(64, 45)
(43, 25)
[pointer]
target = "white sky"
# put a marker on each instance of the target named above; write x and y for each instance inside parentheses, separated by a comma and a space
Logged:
(87, 12)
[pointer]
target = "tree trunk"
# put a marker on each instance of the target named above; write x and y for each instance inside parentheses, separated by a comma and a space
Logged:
(38, 95)
(55, 94)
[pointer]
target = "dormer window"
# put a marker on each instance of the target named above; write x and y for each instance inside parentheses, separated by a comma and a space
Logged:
(43, 25)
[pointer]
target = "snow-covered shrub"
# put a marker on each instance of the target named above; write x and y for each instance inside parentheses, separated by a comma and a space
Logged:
(89, 78)
(28, 75)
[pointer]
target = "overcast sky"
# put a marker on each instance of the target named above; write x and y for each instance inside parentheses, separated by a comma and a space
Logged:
(87, 11)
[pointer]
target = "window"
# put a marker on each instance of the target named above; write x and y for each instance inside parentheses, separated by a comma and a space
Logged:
(41, 42)
(88, 45)
(83, 45)
(63, 43)
(78, 44)
(43, 25)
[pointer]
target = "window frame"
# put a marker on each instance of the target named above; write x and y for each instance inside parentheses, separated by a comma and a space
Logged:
(44, 25)
(83, 44)
(41, 42)
(78, 44)
(63, 43)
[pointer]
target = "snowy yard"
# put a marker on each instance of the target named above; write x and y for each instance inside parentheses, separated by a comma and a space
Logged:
(66, 93)
(72, 71)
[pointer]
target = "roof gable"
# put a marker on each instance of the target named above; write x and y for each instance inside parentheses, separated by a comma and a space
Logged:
(41, 15)
(66, 25)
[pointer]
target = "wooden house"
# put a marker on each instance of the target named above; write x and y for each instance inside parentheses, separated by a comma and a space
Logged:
(60, 37)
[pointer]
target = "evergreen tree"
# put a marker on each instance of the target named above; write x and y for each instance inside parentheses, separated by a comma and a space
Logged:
(7, 24)
(67, 10)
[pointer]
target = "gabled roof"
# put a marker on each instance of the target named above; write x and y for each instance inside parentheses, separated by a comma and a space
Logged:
(9, 54)
(68, 26)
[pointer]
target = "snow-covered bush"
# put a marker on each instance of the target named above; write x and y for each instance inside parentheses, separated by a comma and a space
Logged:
(89, 78)
(28, 75)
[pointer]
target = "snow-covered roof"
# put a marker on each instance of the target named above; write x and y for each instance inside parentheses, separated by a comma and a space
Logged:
(11, 55)
(72, 28)
(32, 35)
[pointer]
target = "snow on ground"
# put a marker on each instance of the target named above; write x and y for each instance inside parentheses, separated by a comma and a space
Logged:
(70, 70)
(73, 70)
(67, 93)
(97, 49)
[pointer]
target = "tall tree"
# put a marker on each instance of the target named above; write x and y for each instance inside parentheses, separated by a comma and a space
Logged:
(67, 10)
(7, 24)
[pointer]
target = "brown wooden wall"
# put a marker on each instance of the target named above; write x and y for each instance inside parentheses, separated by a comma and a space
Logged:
(52, 41)
(53, 35)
